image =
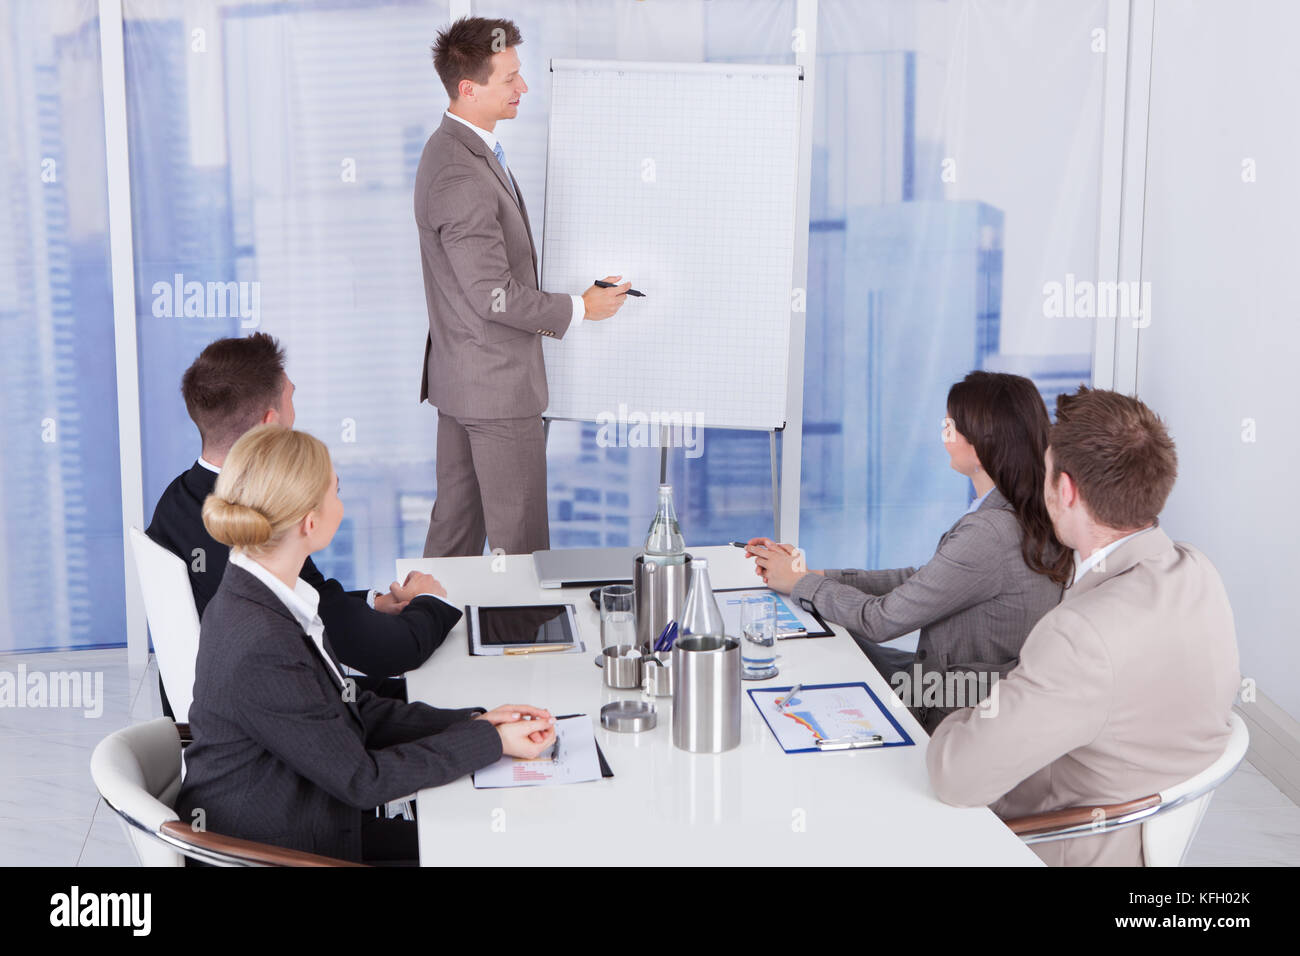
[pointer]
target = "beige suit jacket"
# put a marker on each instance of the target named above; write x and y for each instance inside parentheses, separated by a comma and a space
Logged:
(1122, 690)
(483, 354)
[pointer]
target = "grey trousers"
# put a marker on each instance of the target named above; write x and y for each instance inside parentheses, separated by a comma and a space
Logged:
(491, 484)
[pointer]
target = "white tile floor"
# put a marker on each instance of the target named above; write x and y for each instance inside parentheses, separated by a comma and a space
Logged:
(50, 814)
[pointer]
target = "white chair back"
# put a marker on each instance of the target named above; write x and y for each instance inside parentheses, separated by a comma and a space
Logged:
(1167, 836)
(137, 770)
(173, 620)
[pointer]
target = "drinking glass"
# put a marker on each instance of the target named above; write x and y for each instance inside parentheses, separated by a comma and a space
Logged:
(617, 617)
(758, 637)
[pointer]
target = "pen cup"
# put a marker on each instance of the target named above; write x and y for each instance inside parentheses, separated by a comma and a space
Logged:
(706, 693)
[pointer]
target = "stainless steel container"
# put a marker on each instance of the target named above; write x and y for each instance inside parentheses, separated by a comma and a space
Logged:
(660, 594)
(620, 671)
(706, 693)
(658, 678)
(628, 716)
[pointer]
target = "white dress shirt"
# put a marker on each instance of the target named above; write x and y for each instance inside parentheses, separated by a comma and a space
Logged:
(579, 307)
(1083, 565)
(302, 600)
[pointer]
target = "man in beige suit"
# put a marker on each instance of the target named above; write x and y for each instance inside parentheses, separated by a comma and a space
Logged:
(483, 365)
(1125, 687)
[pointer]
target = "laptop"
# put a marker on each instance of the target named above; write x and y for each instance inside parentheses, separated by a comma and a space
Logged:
(574, 567)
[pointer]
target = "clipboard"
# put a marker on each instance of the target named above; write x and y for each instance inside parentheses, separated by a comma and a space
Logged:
(904, 741)
(784, 599)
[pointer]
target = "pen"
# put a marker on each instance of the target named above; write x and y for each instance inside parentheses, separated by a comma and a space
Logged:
(537, 649)
(658, 645)
(601, 284)
(780, 704)
(850, 743)
(739, 544)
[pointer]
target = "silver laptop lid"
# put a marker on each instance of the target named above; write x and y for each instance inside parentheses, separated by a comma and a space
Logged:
(570, 567)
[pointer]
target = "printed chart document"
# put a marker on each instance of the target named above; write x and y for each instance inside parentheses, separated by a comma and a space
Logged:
(789, 616)
(826, 711)
(576, 763)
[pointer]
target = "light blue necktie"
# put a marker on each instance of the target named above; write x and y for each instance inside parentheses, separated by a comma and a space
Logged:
(501, 158)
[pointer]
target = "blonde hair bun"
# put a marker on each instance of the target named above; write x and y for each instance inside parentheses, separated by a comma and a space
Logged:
(234, 524)
(271, 479)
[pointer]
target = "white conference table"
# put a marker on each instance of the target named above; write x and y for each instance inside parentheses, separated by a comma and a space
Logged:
(663, 806)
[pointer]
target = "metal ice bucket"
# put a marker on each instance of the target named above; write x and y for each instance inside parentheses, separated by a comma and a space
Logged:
(660, 594)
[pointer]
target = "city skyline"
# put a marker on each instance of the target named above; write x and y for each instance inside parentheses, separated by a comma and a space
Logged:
(301, 185)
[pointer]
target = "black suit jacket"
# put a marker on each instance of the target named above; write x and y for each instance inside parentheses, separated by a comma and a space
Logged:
(375, 643)
(279, 756)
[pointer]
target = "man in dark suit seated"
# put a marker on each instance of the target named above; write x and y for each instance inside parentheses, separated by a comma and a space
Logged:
(232, 386)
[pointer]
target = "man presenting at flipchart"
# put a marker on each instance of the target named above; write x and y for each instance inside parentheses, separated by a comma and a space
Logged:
(483, 365)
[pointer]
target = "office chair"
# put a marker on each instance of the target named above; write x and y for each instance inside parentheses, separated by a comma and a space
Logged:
(173, 620)
(1169, 819)
(137, 771)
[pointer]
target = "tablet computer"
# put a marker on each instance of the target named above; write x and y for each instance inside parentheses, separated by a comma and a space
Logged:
(493, 630)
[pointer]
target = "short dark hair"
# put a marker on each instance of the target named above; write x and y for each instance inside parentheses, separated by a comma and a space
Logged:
(231, 385)
(464, 50)
(1118, 453)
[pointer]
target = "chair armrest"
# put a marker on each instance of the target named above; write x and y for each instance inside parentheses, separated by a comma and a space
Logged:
(186, 737)
(1037, 823)
(247, 849)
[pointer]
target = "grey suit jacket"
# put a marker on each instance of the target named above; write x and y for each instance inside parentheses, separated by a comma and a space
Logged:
(1123, 690)
(280, 756)
(975, 602)
(483, 355)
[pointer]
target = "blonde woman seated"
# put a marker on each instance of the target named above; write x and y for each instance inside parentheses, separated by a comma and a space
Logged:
(285, 751)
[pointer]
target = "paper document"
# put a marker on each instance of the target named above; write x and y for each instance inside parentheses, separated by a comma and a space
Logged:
(827, 711)
(789, 616)
(577, 761)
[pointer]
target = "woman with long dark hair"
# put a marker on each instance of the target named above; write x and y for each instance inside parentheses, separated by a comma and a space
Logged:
(995, 573)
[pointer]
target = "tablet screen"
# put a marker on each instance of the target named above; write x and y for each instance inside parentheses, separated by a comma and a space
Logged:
(539, 624)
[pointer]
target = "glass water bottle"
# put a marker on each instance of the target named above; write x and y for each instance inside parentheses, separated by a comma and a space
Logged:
(664, 543)
(700, 614)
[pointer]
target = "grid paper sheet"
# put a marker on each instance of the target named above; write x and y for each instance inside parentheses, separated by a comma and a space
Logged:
(683, 181)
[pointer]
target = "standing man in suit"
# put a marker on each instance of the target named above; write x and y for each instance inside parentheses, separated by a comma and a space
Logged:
(483, 365)
(1124, 688)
